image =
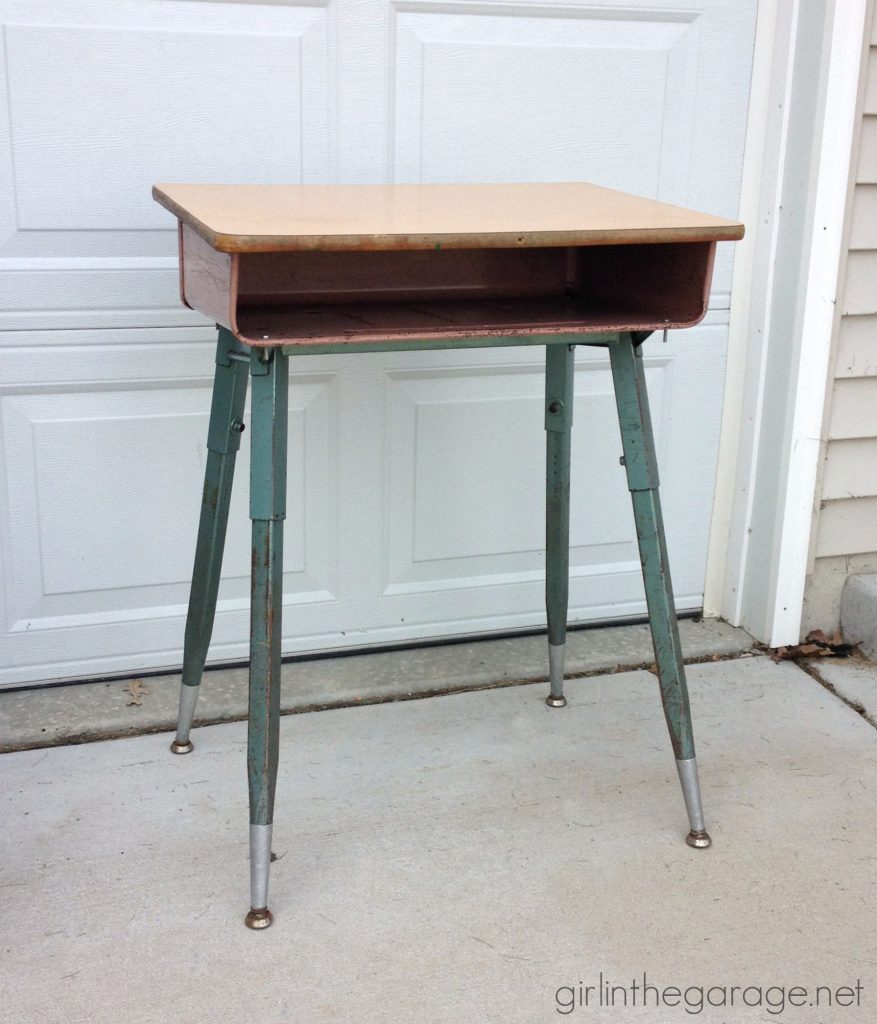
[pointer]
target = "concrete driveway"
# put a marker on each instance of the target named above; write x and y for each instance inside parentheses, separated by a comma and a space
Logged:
(475, 857)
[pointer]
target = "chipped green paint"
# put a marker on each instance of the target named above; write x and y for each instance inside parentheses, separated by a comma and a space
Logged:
(432, 344)
(270, 375)
(223, 441)
(642, 480)
(559, 372)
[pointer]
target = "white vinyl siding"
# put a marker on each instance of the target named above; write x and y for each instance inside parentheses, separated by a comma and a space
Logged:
(845, 538)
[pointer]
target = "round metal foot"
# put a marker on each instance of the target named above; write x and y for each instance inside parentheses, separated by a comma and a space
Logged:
(260, 918)
(555, 702)
(181, 748)
(699, 840)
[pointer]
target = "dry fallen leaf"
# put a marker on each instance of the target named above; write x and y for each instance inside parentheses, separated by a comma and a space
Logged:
(817, 644)
(135, 690)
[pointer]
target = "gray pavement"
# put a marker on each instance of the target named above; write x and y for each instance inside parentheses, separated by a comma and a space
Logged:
(89, 711)
(467, 858)
(852, 679)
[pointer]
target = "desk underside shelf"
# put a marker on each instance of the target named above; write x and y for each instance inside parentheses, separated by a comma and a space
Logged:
(342, 298)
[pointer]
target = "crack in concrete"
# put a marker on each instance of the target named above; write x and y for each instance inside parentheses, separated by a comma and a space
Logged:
(810, 669)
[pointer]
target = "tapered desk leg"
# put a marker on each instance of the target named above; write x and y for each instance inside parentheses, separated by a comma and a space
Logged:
(223, 441)
(267, 511)
(559, 372)
(642, 480)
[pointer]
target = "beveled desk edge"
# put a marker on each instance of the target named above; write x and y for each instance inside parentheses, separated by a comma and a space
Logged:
(680, 224)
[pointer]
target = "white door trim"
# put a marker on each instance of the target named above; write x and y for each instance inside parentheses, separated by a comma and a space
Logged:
(795, 184)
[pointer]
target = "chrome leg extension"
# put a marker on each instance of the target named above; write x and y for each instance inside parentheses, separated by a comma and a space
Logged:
(260, 867)
(556, 659)
(223, 442)
(698, 837)
(188, 699)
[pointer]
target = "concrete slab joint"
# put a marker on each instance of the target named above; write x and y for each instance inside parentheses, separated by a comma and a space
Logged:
(84, 712)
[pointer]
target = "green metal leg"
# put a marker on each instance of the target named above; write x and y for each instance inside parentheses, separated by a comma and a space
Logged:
(223, 441)
(559, 373)
(642, 479)
(267, 511)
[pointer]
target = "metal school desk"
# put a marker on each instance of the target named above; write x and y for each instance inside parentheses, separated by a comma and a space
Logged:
(291, 270)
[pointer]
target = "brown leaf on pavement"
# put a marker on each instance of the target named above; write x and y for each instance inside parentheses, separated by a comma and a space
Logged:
(817, 644)
(135, 690)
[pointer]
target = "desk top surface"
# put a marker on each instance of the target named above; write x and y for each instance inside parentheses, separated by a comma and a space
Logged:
(287, 218)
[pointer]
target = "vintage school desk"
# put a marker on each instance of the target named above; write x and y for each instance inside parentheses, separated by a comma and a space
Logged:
(291, 270)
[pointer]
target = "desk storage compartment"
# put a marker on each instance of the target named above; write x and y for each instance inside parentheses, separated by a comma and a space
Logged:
(345, 297)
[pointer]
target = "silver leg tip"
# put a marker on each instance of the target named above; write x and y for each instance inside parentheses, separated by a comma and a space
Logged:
(556, 659)
(258, 918)
(188, 699)
(699, 840)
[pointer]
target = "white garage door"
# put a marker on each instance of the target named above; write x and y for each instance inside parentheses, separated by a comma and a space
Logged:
(415, 483)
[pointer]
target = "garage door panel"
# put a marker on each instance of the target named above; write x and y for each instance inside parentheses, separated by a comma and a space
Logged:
(101, 292)
(615, 94)
(354, 572)
(416, 501)
(103, 489)
(466, 108)
(102, 99)
(73, 134)
(466, 476)
(465, 471)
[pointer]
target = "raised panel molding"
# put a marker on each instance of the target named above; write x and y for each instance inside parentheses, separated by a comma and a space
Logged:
(90, 541)
(67, 294)
(99, 101)
(369, 572)
(464, 472)
(452, 123)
